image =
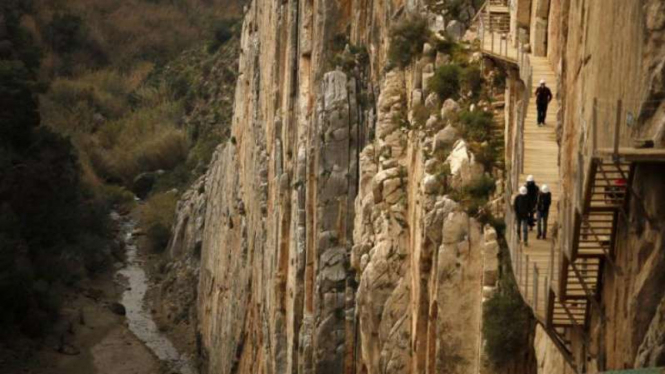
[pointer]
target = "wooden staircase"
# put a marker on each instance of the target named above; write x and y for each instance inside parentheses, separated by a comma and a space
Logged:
(581, 272)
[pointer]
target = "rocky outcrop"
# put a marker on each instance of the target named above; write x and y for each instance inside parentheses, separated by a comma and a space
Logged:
(330, 245)
(418, 256)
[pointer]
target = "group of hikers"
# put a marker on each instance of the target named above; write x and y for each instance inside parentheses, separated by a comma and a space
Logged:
(532, 208)
(532, 205)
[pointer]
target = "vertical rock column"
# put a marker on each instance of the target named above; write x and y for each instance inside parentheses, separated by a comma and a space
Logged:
(336, 131)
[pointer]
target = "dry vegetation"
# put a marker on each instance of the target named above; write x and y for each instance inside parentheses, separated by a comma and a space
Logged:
(103, 60)
(119, 86)
(117, 82)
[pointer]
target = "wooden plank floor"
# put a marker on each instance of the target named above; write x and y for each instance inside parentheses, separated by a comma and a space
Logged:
(540, 160)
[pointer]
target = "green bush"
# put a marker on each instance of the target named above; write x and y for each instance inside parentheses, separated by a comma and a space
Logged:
(472, 80)
(476, 125)
(507, 320)
(481, 187)
(406, 40)
(488, 154)
(443, 45)
(505, 326)
(222, 32)
(157, 216)
(66, 32)
(357, 56)
(446, 81)
(117, 195)
(499, 81)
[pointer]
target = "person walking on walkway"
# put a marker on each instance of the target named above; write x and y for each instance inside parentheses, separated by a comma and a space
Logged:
(543, 98)
(532, 195)
(543, 210)
(522, 208)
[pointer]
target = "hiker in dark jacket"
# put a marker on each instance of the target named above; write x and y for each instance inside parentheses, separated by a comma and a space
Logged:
(543, 210)
(543, 98)
(522, 207)
(532, 194)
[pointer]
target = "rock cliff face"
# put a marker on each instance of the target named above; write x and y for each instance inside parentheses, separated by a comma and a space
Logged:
(332, 242)
(329, 245)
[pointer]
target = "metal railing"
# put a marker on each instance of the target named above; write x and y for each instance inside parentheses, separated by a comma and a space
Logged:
(494, 33)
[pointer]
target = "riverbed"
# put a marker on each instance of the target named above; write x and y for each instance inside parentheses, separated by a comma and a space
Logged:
(139, 317)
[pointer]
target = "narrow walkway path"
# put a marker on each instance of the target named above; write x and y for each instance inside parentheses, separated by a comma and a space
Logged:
(540, 160)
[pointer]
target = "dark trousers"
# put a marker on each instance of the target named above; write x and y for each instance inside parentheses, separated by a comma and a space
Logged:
(523, 229)
(532, 220)
(542, 112)
(542, 224)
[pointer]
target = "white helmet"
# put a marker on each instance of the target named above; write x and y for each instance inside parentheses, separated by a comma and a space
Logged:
(529, 178)
(542, 82)
(545, 189)
(523, 190)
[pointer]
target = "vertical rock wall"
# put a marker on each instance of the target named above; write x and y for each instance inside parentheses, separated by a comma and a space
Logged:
(276, 292)
(329, 246)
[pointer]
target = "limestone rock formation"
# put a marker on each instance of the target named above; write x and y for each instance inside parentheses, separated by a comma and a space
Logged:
(328, 245)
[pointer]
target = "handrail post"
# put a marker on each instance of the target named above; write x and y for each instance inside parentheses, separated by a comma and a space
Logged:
(594, 127)
(617, 130)
(518, 267)
(546, 299)
(526, 279)
(551, 272)
(535, 289)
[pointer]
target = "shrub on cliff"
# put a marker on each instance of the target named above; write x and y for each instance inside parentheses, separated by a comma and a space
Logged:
(446, 81)
(476, 125)
(505, 324)
(406, 40)
(472, 80)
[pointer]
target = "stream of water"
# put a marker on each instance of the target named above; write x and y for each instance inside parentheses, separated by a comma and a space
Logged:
(138, 315)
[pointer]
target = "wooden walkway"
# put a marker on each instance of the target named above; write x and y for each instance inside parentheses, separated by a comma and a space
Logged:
(541, 153)
(493, 32)
(562, 286)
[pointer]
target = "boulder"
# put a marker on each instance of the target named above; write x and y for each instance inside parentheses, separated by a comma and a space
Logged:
(441, 59)
(433, 101)
(463, 166)
(364, 260)
(428, 73)
(445, 138)
(381, 176)
(427, 49)
(437, 23)
(455, 30)
(449, 108)
(431, 185)
(431, 166)
(433, 123)
(416, 97)
(391, 185)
